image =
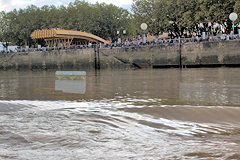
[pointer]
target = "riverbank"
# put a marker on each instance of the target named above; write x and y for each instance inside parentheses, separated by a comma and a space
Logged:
(223, 53)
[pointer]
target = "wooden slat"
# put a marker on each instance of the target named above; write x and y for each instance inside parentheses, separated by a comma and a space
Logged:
(48, 34)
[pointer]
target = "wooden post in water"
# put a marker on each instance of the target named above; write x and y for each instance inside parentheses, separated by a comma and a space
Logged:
(96, 57)
(180, 53)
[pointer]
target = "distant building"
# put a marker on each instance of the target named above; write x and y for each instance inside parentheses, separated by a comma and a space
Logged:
(2, 48)
(9, 49)
(13, 48)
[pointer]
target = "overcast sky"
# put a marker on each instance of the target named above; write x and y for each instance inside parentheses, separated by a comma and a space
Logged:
(8, 5)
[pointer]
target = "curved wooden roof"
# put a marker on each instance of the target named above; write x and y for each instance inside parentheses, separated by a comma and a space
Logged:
(60, 33)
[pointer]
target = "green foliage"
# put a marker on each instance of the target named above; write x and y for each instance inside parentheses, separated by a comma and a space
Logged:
(99, 19)
(184, 15)
(177, 17)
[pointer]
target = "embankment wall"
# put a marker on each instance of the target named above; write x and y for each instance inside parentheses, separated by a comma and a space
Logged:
(169, 55)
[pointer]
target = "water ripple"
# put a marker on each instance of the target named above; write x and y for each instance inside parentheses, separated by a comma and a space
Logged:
(120, 128)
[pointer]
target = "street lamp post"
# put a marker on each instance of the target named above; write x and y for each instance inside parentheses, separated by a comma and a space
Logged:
(144, 28)
(119, 36)
(201, 26)
(233, 17)
(121, 32)
(172, 28)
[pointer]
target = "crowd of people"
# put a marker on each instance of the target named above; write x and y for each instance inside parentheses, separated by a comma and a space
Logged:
(138, 41)
(141, 41)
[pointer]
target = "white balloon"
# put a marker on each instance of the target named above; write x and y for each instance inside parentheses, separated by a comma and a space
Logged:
(144, 26)
(233, 16)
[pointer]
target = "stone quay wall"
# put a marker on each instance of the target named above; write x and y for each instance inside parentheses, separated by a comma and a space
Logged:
(54, 59)
(211, 53)
(224, 53)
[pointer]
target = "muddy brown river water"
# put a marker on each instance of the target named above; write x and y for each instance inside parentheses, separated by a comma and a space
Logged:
(121, 114)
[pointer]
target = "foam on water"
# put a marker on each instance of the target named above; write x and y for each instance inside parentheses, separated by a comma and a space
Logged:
(72, 130)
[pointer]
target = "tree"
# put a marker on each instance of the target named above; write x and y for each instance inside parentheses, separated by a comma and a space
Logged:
(184, 16)
(100, 19)
(3, 25)
(145, 12)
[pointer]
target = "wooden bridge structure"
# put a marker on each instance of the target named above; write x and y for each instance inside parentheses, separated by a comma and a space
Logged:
(65, 38)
